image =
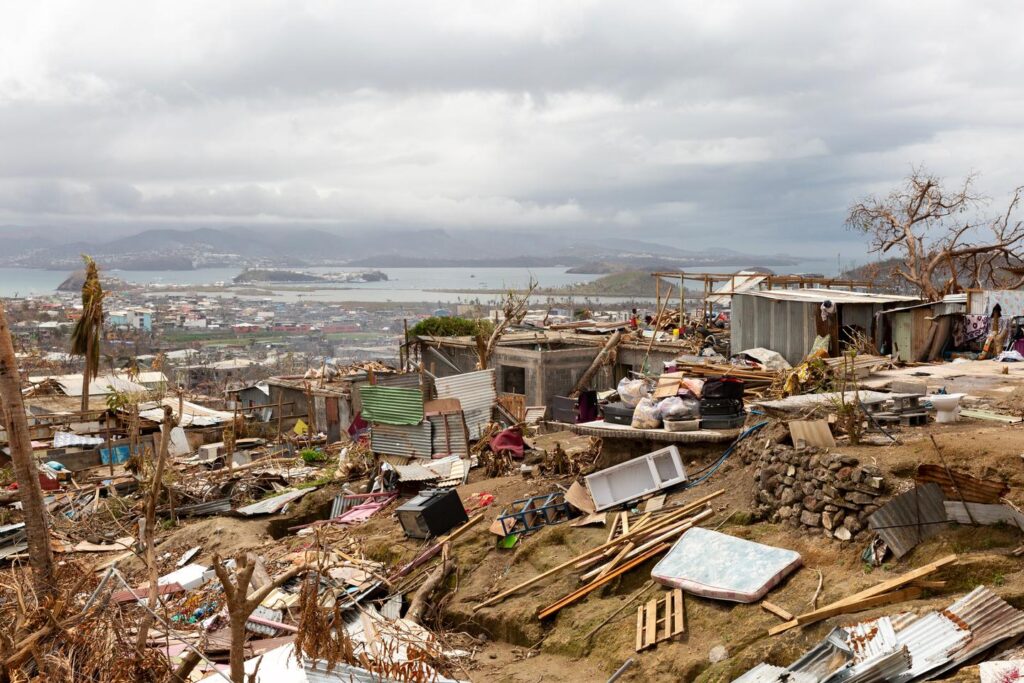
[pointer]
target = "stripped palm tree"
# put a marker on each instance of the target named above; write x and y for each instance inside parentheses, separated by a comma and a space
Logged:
(85, 337)
(40, 556)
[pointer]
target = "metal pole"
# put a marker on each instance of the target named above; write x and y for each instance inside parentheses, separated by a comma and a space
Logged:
(621, 670)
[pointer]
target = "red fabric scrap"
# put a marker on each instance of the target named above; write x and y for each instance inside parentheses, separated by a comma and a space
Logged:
(510, 441)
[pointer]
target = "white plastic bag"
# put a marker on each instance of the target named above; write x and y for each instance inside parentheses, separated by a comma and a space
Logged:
(646, 415)
(632, 390)
(679, 408)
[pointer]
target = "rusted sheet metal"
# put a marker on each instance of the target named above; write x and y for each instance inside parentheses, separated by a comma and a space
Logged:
(974, 490)
(405, 440)
(476, 392)
(910, 518)
(392, 405)
(931, 640)
(990, 619)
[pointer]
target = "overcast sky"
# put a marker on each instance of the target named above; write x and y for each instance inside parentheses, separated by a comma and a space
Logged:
(750, 125)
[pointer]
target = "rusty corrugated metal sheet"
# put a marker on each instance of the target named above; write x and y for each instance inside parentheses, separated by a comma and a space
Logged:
(476, 393)
(407, 440)
(974, 490)
(931, 640)
(392, 405)
(910, 518)
(990, 619)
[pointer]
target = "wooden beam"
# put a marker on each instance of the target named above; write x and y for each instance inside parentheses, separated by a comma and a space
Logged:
(776, 610)
(579, 593)
(834, 610)
(863, 599)
(661, 524)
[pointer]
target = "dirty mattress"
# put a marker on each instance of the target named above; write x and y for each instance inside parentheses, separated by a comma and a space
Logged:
(722, 567)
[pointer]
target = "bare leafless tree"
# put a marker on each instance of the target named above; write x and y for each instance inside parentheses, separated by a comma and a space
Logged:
(943, 242)
(514, 309)
(242, 599)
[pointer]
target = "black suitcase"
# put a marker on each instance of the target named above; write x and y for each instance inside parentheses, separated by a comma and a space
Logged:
(723, 387)
(618, 413)
(722, 422)
(721, 406)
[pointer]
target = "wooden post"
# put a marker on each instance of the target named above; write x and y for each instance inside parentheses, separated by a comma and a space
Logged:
(682, 303)
(280, 413)
(110, 451)
(405, 343)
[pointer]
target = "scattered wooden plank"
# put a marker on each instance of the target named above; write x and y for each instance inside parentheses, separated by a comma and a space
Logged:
(867, 597)
(785, 615)
(650, 623)
(579, 593)
(658, 525)
(655, 503)
(652, 628)
(829, 611)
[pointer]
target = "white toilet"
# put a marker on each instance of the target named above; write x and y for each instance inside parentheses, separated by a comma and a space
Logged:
(947, 407)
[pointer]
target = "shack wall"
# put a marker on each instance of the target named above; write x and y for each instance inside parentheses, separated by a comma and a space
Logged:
(786, 327)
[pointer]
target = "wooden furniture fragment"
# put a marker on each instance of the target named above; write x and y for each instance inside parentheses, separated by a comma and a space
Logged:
(660, 619)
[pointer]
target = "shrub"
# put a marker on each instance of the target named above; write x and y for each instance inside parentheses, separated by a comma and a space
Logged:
(451, 327)
(311, 455)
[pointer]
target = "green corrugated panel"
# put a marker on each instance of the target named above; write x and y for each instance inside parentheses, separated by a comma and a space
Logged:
(392, 405)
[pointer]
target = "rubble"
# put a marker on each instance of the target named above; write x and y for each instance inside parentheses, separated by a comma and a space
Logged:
(370, 521)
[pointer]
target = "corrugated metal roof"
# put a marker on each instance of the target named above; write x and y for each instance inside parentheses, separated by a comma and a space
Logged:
(210, 507)
(836, 296)
(825, 657)
(449, 434)
(392, 405)
(535, 414)
(406, 440)
(877, 653)
(978, 513)
(274, 504)
(990, 619)
(931, 641)
(910, 518)
(476, 393)
(195, 414)
(972, 489)
(414, 471)
(744, 281)
(766, 673)
(407, 380)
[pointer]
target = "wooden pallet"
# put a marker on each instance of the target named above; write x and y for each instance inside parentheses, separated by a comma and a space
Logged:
(651, 628)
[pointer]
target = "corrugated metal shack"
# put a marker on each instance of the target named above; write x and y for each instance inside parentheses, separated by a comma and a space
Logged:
(910, 333)
(788, 320)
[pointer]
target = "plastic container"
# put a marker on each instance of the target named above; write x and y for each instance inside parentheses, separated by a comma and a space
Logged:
(682, 425)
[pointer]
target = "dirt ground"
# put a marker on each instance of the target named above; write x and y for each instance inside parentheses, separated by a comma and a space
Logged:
(514, 646)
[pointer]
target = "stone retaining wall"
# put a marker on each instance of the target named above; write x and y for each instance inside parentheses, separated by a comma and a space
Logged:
(817, 490)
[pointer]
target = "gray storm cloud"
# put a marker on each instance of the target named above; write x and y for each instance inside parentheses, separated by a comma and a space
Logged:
(708, 124)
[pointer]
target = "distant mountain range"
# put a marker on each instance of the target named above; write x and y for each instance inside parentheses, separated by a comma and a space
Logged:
(172, 249)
